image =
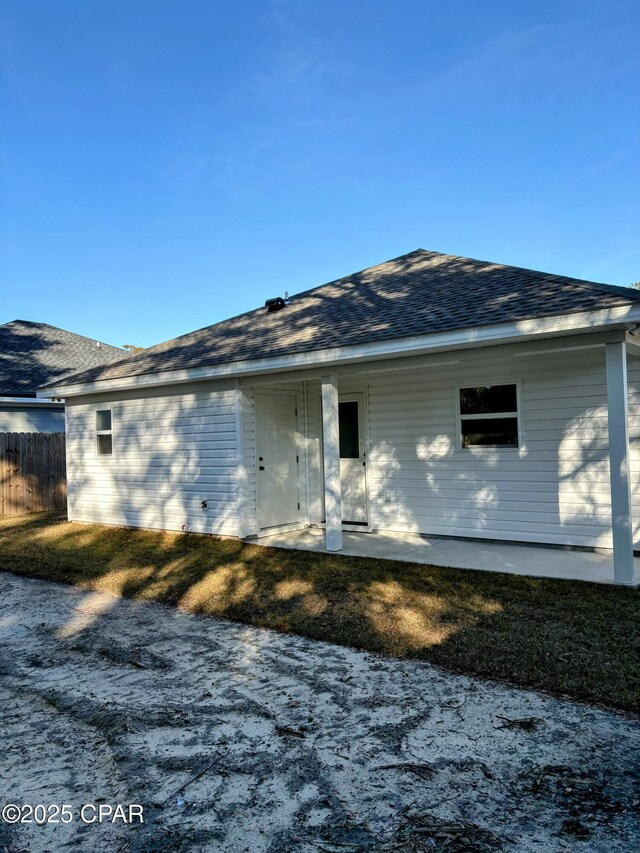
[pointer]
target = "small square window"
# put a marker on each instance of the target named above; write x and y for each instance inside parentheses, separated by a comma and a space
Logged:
(489, 416)
(103, 420)
(105, 444)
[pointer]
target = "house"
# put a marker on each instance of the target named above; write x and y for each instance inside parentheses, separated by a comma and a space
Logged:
(36, 354)
(431, 393)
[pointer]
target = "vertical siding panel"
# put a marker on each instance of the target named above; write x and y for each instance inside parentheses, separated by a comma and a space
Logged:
(30, 477)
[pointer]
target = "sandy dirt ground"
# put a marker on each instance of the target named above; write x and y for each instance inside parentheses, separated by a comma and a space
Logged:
(239, 739)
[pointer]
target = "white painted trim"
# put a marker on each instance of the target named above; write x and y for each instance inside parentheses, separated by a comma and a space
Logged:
(621, 509)
(307, 467)
(476, 336)
(331, 444)
(359, 396)
(265, 532)
(475, 449)
(301, 452)
(275, 392)
(577, 341)
(367, 448)
(40, 403)
(300, 467)
(633, 345)
(70, 497)
(241, 470)
(102, 408)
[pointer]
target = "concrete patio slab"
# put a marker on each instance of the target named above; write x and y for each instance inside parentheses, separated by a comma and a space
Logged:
(515, 559)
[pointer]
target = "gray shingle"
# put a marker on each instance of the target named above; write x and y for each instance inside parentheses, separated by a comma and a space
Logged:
(417, 293)
(36, 354)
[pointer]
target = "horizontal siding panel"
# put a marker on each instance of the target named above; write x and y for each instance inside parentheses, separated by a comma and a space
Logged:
(453, 497)
(175, 506)
(545, 462)
(491, 527)
(184, 423)
(525, 518)
(170, 453)
(117, 518)
(554, 489)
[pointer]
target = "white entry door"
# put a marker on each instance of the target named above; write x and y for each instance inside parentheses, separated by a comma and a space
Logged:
(353, 471)
(277, 468)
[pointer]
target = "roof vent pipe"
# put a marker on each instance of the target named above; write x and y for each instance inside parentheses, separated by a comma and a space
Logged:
(276, 304)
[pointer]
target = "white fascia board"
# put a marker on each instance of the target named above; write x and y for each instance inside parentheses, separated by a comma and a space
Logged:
(478, 336)
(462, 355)
(40, 402)
(633, 345)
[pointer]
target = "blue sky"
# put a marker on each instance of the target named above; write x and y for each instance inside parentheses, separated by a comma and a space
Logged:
(168, 164)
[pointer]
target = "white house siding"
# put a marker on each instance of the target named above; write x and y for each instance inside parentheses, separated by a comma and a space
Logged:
(553, 489)
(175, 449)
(31, 418)
(172, 450)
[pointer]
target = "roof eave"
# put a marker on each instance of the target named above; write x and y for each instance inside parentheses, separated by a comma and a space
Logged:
(41, 402)
(623, 316)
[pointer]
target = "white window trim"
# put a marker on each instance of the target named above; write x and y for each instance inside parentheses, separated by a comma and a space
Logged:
(489, 416)
(98, 432)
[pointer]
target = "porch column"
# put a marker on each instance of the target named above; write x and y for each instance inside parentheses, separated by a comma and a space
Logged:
(331, 445)
(621, 513)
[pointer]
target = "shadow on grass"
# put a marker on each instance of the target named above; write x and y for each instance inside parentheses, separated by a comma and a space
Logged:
(567, 637)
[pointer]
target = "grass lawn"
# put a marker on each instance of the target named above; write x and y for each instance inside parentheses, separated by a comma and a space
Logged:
(567, 637)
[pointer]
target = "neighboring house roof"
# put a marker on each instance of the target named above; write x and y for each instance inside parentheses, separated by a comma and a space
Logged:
(418, 293)
(35, 354)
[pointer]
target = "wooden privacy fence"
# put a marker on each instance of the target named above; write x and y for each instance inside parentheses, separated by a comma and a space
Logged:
(33, 472)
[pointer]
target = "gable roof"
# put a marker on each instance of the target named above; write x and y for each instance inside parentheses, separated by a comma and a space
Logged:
(37, 354)
(417, 293)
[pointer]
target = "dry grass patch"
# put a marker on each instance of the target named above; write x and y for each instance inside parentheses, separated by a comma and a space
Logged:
(567, 637)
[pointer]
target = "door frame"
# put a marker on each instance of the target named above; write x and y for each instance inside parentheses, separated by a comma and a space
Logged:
(345, 397)
(299, 523)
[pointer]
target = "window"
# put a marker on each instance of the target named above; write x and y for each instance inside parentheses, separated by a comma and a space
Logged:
(104, 433)
(349, 430)
(489, 416)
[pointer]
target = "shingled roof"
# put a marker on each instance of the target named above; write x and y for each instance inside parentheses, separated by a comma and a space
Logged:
(417, 293)
(36, 354)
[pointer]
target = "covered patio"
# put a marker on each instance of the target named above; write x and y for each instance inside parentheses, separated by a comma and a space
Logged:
(404, 461)
(508, 557)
